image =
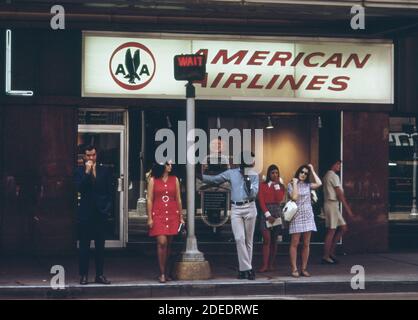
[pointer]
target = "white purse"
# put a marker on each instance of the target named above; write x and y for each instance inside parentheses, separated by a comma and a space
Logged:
(289, 210)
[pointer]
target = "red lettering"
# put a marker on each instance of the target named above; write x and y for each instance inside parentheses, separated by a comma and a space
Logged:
(217, 80)
(340, 83)
(292, 82)
(307, 60)
(204, 82)
(258, 55)
(237, 78)
(336, 59)
(223, 54)
(297, 59)
(272, 81)
(281, 57)
(183, 61)
(198, 61)
(354, 57)
(253, 84)
(203, 52)
(316, 80)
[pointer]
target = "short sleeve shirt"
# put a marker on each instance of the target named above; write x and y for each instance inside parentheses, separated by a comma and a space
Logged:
(331, 181)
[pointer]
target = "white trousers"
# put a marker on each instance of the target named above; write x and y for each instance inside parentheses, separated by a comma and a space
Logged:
(243, 219)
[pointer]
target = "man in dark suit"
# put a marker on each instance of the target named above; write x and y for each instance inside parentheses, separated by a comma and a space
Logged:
(94, 186)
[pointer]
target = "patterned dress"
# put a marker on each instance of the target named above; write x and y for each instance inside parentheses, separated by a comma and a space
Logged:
(304, 218)
(165, 212)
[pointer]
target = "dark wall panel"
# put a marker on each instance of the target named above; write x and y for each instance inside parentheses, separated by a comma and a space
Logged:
(39, 154)
(2, 181)
(21, 176)
(61, 57)
(56, 216)
(365, 175)
(407, 75)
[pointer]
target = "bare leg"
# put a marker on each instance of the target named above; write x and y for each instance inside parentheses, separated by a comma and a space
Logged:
(305, 250)
(337, 237)
(266, 250)
(162, 255)
(329, 238)
(168, 265)
(293, 250)
(273, 250)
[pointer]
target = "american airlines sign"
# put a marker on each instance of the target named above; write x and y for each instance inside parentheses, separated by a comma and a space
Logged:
(270, 69)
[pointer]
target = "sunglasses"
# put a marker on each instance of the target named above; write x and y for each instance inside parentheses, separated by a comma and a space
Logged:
(304, 172)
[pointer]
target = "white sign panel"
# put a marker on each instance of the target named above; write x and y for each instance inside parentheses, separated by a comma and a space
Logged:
(274, 70)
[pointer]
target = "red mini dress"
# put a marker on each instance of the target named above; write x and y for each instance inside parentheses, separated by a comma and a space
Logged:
(165, 211)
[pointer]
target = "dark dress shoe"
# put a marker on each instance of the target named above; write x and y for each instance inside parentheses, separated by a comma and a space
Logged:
(83, 280)
(334, 259)
(251, 275)
(242, 275)
(102, 280)
(326, 261)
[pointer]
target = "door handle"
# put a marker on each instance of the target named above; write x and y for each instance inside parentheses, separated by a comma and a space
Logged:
(121, 183)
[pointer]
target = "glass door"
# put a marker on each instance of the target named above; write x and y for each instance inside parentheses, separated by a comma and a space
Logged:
(110, 143)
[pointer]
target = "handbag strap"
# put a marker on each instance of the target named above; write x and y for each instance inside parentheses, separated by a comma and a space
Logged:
(288, 198)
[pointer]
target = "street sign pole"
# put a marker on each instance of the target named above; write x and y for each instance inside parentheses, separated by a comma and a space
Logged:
(414, 212)
(192, 265)
(192, 253)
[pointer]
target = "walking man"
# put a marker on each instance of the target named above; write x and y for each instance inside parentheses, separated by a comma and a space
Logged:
(335, 223)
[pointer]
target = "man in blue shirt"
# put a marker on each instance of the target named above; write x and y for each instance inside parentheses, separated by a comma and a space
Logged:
(244, 188)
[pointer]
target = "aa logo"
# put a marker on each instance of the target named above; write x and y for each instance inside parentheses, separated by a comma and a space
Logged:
(132, 66)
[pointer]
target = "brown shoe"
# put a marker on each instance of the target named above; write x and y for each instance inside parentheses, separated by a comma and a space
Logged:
(295, 274)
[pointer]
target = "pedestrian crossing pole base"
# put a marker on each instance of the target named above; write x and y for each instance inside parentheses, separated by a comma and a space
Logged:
(193, 270)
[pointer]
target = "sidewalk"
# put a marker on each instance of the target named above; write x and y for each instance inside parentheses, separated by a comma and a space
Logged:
(135, 276)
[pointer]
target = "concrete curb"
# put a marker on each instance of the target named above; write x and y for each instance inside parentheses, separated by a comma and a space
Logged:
(211, 288)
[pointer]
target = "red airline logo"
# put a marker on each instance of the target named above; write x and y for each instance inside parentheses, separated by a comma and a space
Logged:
(132, 66)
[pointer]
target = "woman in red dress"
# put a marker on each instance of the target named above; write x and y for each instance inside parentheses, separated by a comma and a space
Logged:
(270, 196)
(164, 212)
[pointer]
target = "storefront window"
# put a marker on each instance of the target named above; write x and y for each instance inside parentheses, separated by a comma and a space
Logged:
(403, 138)
(294, 139)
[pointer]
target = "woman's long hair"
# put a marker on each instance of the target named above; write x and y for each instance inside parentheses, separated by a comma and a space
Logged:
(158, 170)
(269, 170)
(305, 166)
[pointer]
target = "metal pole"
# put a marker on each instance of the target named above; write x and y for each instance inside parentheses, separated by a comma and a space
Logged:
(414, 212)
(141, 203)
(192, 253)
(142, 157)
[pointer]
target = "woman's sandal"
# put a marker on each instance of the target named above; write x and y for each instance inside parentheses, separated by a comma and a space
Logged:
(262, 270)
(295, 274)
(305, 273)
(161, 279)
